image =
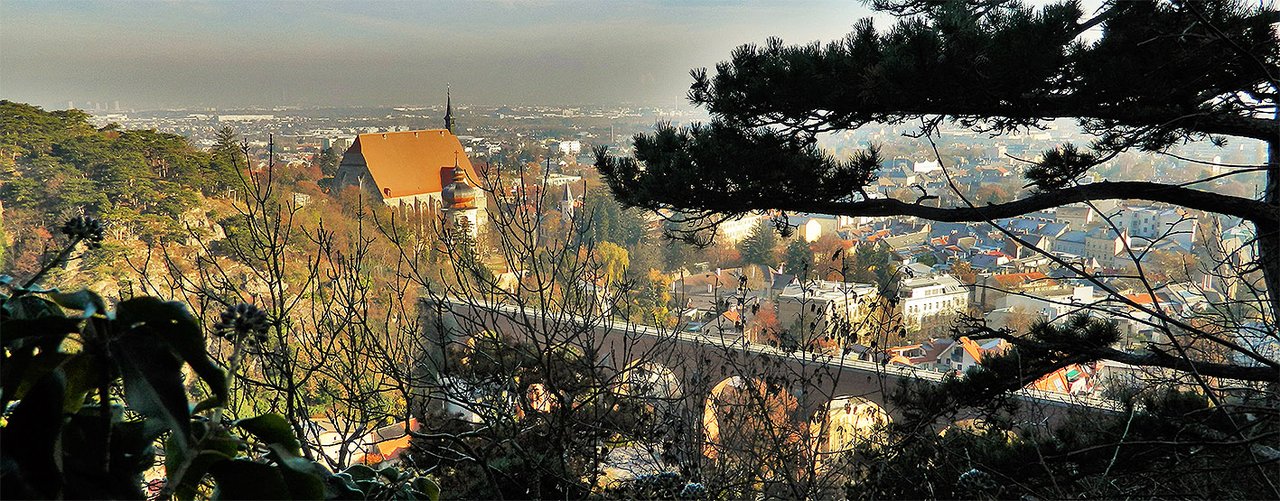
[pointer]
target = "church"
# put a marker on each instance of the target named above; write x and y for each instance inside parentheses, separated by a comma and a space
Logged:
(420, 172)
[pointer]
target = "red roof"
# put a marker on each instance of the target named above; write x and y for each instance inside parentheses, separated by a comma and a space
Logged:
(1141, 298)
(412, 162)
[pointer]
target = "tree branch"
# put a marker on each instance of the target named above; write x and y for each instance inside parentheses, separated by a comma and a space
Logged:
(1151, 359)
(1253, 210)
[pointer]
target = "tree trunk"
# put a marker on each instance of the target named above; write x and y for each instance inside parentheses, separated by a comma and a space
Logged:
(1269, 237)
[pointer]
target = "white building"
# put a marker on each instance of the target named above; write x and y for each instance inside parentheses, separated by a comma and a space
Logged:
(735, 230)
(1053, 306)
(573, 147)
(926, 297)
(824, 305)
(1147, 224)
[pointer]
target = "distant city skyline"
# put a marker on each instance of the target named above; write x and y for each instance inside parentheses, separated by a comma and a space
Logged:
(149, 55)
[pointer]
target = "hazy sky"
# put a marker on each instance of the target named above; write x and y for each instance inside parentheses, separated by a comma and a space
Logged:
(242, 53)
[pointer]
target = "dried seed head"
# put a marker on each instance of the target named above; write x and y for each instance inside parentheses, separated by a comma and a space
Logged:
(243, 322)
(85, 228)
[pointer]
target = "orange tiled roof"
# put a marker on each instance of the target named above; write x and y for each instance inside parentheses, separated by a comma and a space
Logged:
(971, 348)
(1143, 298)
(390, 442)
(1016, 279)
(412, 162)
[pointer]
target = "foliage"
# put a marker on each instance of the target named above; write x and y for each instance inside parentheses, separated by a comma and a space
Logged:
(666, 485)
(1128, 453)
(611, 259)
(553, 419)
(873, 263)
(145, 182)
(604, 220)
(328, 162)
(648, 299)
(89, 392)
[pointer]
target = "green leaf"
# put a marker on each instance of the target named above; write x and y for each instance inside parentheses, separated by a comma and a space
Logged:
(390, 473)
(427, 487)
(131, 452)
(186, 479)
(303, 477)
(342, 486)
(38, 367)
(153, 381)
(182, 332)
(47, 329)
(271, 429)
(29, 307)
(84, 300)
(30, 440)
(360, 472)
(245, 479)
(90, 469)
(206, 404)
(84, 374)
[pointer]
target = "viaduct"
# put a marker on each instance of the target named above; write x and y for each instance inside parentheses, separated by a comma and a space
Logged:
(696, 367)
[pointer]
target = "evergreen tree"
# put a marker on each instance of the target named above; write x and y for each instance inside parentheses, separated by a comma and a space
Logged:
(799, 259)
(761, 247)
(1161, 73)
(328, 161)
(604, 220)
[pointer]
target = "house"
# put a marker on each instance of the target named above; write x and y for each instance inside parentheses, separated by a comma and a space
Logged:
(1053, 230)
(1052, 306)
(1152, 223)
(1016, 250)
(988, 260)
(1073, 379)
(822, 308)
(387, 443)
(901, 175)
(1105, 244)
(737, 229)
(901, 236)
(931, 296)
(991, 288)
(965, 353)
(1079, 215)
(1071, 242)
(945, 354)
(810, 227)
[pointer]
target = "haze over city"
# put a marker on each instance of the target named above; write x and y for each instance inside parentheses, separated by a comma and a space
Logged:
(150, 55)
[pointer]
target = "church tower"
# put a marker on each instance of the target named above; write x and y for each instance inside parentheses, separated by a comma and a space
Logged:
(448, 110)
(460, 209)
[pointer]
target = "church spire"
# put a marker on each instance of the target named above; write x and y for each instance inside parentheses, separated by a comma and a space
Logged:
(448, 109)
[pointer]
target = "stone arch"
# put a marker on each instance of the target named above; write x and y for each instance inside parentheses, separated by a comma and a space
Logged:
(977, 427)
(848, 423)
(652, 381)
(736, 410)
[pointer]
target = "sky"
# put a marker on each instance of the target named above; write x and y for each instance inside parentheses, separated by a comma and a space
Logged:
(233, 53)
